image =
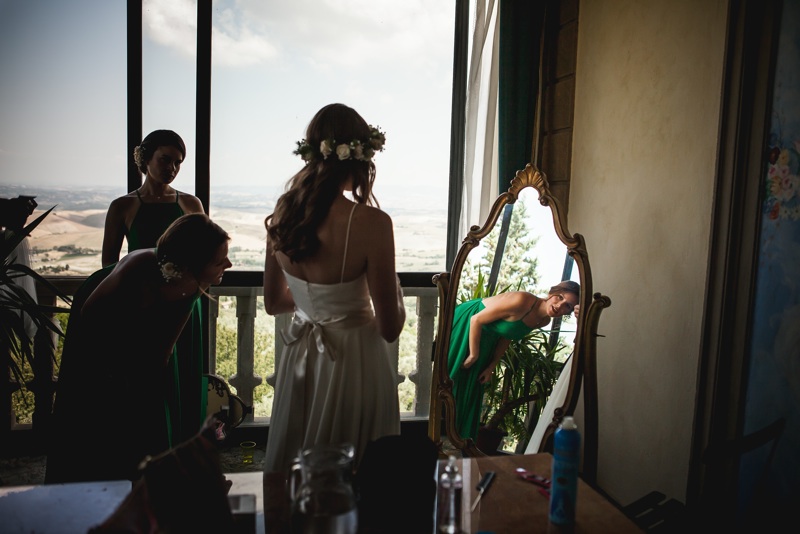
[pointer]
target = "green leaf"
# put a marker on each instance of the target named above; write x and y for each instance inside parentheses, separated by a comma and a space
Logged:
(17, 305)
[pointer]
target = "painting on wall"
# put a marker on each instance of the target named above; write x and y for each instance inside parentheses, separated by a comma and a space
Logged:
(773, 389)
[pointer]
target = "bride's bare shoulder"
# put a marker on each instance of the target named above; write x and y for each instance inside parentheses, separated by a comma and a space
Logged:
(372, 215)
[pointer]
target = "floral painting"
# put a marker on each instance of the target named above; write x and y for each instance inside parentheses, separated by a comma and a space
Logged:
(783, 182)
(773, 387)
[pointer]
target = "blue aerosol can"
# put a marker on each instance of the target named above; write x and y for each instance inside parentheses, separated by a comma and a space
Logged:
(566, 462)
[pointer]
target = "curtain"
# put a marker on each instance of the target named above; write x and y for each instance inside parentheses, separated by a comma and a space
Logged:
(502, 92)
(480, 165)
(521, 24)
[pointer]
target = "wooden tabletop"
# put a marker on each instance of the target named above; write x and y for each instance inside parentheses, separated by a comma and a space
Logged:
(512, 505)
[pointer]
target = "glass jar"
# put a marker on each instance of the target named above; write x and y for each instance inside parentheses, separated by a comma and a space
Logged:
(320, 486)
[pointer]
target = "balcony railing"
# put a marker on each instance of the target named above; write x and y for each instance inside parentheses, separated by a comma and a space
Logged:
(245, 287)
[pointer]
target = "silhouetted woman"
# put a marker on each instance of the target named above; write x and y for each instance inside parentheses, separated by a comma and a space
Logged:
(112, 404)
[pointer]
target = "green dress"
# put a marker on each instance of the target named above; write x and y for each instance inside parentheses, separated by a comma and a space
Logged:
(467, 390)
(112, 406)
(188, 395)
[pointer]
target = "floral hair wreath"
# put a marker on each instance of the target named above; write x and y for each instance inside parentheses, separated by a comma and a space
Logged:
(138, 155)
(356, 149)
(169, 270)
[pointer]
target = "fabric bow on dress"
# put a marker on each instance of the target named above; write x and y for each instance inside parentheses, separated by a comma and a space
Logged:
(303, 325)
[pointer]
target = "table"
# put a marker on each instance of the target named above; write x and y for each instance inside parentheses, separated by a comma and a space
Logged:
(512, 505)
(59, 508)
(74, 508)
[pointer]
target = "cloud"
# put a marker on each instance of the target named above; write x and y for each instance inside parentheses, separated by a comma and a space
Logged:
(172, 24)
(235, 43)
(358, 33)
(349, 34)
(240, 50)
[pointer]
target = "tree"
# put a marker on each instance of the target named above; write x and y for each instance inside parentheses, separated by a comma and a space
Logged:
(518, 267)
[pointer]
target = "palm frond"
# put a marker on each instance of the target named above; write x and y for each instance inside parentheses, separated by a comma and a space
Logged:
(17, 306)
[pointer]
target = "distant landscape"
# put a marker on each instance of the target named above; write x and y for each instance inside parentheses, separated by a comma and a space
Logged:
(69, 240)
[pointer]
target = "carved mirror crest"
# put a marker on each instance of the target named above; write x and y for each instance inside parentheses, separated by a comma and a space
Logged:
(538, 253)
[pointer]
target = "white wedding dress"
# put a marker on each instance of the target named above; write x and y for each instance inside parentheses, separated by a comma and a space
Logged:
(334, 381)
(558, 396)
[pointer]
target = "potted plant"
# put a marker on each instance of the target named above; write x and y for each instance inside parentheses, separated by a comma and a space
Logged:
(17, 306)
(521, 384)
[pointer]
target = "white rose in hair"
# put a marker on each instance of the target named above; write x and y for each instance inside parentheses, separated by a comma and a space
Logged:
(325, 148)
(358, 151)
(169, 271)
(343, 151)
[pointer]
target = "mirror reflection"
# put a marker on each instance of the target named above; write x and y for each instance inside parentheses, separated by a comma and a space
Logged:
(495, 356)
(510, 319)
(508, 292)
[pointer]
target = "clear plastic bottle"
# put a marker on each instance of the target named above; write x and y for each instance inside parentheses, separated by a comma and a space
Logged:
(448, 517)
(566, 462)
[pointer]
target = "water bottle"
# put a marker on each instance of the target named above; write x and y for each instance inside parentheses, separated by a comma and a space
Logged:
(448, 517)
(564, 479)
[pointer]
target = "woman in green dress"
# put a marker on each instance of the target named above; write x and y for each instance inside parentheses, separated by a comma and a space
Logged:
(140, 217)
(482, 330)
(112, 407)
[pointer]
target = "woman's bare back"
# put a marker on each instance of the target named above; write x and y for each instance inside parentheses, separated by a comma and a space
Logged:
(368, 226)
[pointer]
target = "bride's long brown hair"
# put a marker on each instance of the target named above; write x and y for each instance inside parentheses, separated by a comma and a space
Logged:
(292, 227)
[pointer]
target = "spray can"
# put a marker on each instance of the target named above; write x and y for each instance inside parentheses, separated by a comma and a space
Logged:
(566, 461)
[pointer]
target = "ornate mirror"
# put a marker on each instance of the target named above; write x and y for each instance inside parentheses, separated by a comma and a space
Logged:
(523, 245)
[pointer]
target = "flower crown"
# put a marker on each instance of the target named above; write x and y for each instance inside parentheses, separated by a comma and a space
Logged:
(356, 149)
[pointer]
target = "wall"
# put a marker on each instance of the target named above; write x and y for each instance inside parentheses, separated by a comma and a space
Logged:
(647, 103)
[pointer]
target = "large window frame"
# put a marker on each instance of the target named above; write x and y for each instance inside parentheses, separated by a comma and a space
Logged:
(203, 110)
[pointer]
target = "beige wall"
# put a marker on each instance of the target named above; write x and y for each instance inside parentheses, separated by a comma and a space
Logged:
(647, 102)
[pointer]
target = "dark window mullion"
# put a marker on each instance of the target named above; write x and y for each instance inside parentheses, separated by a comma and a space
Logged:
(202, 186)
(457, 128)
(134, 85)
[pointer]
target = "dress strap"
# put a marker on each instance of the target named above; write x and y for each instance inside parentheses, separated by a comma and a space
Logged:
(176, 196)
(139, 197)
(347, 241)
(535, 300)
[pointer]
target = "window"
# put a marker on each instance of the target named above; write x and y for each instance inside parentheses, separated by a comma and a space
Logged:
(62, 121)
(275, 64)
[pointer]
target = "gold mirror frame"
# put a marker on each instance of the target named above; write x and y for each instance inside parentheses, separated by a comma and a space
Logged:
(583, 362)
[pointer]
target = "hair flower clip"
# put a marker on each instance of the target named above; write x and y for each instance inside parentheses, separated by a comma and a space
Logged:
(357, 149)
(169, 270)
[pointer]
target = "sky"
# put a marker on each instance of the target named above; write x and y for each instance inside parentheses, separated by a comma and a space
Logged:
(275, 63)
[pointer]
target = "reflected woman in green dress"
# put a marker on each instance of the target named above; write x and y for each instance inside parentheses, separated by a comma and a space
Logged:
(483, 329)
(112, 403)
(140, 217)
